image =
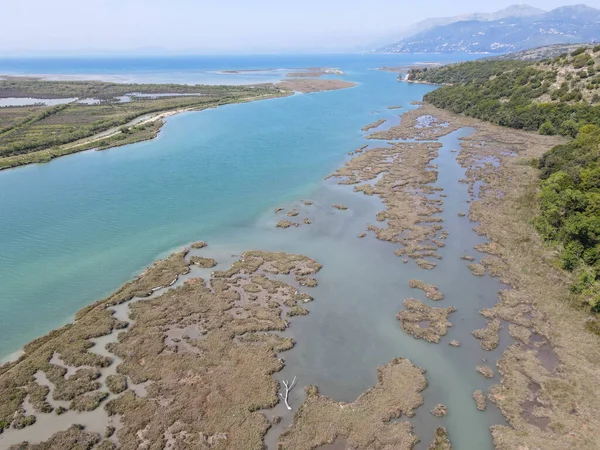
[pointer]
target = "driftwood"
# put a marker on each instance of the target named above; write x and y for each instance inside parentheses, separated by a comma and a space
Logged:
(288, 388)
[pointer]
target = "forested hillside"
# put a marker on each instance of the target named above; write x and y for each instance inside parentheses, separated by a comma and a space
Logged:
(555, 96)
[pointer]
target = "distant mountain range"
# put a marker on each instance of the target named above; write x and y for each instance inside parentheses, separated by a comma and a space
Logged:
(512, 29)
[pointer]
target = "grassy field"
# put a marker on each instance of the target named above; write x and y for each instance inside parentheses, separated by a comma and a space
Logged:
(36, 134)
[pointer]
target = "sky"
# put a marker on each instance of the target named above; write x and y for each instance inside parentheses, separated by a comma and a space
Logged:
(201, 26)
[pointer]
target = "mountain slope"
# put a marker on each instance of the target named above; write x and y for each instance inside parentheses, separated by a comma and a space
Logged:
(511, 11)
(569, 24)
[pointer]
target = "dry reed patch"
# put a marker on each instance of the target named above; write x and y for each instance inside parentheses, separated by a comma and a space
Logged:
(286, 224)
(490, 335)
(368, 422)
(439, 410)
(477, 269)
(373, 125)
(423, 321)
(480, 400)
(205, 263)
(485, 371)
(405, 186)
(75, 438)
(441, 440)
(432, 292)
(116, 383)
(424, 264)
(236, 357)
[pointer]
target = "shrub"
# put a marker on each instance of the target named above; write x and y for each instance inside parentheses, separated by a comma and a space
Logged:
(547, 129)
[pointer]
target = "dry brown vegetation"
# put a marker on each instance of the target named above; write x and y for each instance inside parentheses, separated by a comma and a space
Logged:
(370, 421)
(286, 224)
(489, 335)
(406, 178)
(423, 321)
(480, 400)
(116, 383)
(72, 342)
(234, 353)
(205, 263)
(373, 125)
(235, 356)
(476, 269)
(74, 438)
(485, 371)
(432, 292)
(440, 440)
(439, 410)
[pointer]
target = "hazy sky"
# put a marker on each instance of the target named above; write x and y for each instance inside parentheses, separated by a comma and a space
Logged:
(79, 26)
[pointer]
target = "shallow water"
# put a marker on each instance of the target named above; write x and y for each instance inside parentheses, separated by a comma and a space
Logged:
(75, 229)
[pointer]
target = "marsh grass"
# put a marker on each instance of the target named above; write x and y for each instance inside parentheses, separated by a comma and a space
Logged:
(371, 421)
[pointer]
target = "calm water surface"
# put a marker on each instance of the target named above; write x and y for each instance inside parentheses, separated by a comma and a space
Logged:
(75, 229)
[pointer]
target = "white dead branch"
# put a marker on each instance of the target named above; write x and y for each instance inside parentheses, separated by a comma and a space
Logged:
(288, 387)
